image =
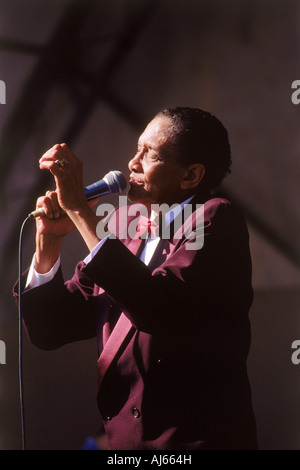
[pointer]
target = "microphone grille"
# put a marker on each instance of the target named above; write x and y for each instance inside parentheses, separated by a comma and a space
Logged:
(116, 181)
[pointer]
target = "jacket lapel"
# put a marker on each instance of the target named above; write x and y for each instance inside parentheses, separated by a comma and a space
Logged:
(113, 340)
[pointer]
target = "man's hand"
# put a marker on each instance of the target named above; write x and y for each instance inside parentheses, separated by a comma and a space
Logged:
(55, 222)
(68, 177)
(65, 208)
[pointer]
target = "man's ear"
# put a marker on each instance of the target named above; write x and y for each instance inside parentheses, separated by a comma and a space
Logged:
(193, 176)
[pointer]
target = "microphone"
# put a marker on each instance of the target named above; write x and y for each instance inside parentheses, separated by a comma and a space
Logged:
(113, 182)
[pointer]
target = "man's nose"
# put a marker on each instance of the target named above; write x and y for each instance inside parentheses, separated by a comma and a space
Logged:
(135, 164)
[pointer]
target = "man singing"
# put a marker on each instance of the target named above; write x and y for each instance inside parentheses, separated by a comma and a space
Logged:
(170, 315)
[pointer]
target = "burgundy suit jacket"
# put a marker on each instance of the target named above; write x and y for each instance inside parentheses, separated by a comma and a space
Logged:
(172, 366)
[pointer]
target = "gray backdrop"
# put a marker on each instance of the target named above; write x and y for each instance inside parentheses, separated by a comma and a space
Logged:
(93, 74)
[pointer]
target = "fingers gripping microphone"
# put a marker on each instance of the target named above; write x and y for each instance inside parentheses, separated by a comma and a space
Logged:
(113, 182)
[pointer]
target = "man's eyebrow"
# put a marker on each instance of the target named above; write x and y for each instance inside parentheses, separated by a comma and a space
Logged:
(152, 147)
(147, 145)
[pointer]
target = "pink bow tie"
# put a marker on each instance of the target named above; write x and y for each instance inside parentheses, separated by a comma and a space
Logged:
(147, 226)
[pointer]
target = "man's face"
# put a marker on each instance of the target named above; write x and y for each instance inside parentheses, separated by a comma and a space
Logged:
(155, 175)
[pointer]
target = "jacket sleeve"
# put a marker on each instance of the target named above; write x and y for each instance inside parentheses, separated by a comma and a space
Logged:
(57, 313)
(196, 284)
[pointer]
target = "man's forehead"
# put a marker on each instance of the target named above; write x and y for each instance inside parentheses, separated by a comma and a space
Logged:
(157, 132)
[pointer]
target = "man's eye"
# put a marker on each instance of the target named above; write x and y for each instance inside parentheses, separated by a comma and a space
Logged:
(154, 157)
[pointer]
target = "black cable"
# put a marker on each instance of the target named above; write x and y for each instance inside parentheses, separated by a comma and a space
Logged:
(20, 289)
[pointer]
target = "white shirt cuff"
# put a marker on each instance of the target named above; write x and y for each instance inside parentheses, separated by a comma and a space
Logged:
(95, 250)
(35, 279)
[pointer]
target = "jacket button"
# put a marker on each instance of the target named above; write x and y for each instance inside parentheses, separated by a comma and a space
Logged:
(136, 412)
(108, 418)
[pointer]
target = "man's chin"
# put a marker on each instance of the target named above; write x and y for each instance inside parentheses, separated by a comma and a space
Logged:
(134, 194)
(136, 197)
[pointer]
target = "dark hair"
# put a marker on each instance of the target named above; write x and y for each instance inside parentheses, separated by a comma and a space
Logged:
(199, 137)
